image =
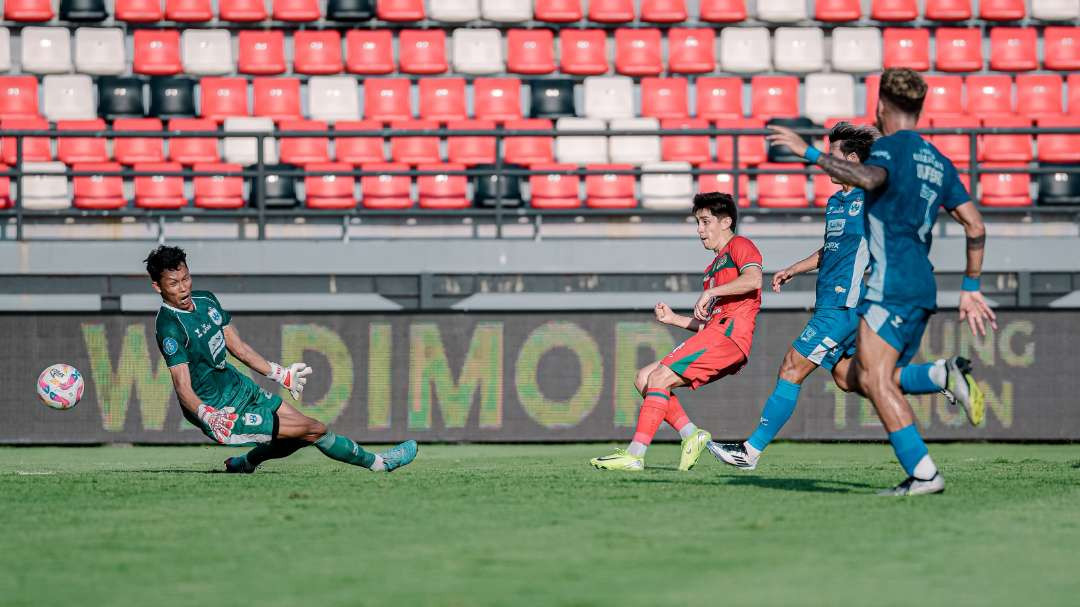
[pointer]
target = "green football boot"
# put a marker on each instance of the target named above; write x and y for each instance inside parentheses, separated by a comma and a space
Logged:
(692, 447)
(620, 460)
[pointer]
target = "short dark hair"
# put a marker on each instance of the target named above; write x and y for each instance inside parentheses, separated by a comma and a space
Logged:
(720, 204)
(853, 139)
(904, 89)
(162, 259)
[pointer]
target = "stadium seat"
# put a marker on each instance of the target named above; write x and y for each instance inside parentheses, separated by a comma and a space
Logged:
(454, 11)
(98, 51)
(44, 192)
(837, 10)
(98, 192)
(557, 11)
(138, 11)
(959, 49)
(170, 97)
(1002, 10)
(218, 191)
(583, 149)
(506, 11)
(664, 188)
(799, 49)
(399, 10)
(751, 147)
(1039, 95)
(369, 52)
(296, 10)
(531, 149)
(691, 50)
(611, 11)
(609, 190)
(382, 191)
(46, 50)
(329, 191)
(894, 10)
(552, 190)
(1059, 147)
(685, 148)
(34, 149)
(414, 149)
(220, 98)
(829, 96)
(664, 98)
(1013, 49)
(719, 98)
(304, 150)
(989, 95)
(1061, 48)
(386, 99)
(18, 97)
(781, 191)
(530, 51)
(333, 98)
(497, 189)
(782, 11)
(1055, 10)
(472, 149)
(5, 49)
(1005, 148)
(71, 150)
(358, 150)
(873, 82)
(276, 98)
(745, 50)
(638, 52)
(67, 97)
(583, 52)
(188, 11)
(260, 52)
(722, 11)
(156, 191)
(422, 51)
(499, 99)
(948, 10)
(245, 150)
(1061, 186)
(773, 96)
(824, 188)
(663, 11)
(1004, 189)
(906, 47)
(133, 150)
(634, 149)
(206, 52)
(477, 51)
(609, 97)
(442, 191)
(242, 11)
(193, 150)
(156, 52)
(5, 189)
(956, 148)
(442, 99)
(944, 96)
(83, 11)
(551, 98)
(120, 97)
(721, 182)
(279, 191)
(350, 10)
(1072, 90)
(317, 52)
(856, 49)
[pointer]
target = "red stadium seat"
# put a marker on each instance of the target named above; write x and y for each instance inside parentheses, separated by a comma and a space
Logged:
(774, 96)
(637, 52)
(414, 149)
(824, 188)
(135, 150)
(720, 182)
(497, 99)
(277, 98)
(159, 191)
(138, 11)
(1061, 48)
(906, 47)
(944, 96)
(1039, 95)
(663, 11)
(242, 11)
(330, 191)
(400, 10)
(530, 51)
(34, 149)
(193, 150)
(837, 10)
(219, 191)
(1006, 148)
(220, 98)
(157, 52)
(583, 52)
(442, 99)
(686, 148)
(296, 10)
(71, 150)
(611, 11)
(751, 147)
(18, 97)
(1059, 147)
(664, 98)
(719, 98)
(894, 10)
(557, 11)
(948, 10)
(989, 95)
(260, 52)
(1005, 189)
(304, 150)
(609, 190)
(28, 10)
(691, 50)
(959, 49)
(317, 52)
(1013, 49)
(956, 148)
(1072, 90)
(781, 191)
(532, 149)
(470, 150)
(369, 52)
(554, 191)
(1002, 10)
(5, 190)
(358, 150)
(387, 99)
(188, 11)
(382, 191)
(442, 191)
(873, 82)
(722, 11)
(99, 192)
(422, 51)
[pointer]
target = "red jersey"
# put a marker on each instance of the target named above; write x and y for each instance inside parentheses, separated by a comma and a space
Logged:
(737, 255)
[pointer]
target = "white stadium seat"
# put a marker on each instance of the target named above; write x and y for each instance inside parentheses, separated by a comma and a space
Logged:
(244, 150)
(632, 149)
(206, 52)
(68, 97)
(609, 97)
(507, 11)
(44, 192)
(46, 50)
(661, 190)
(5, 49)
(100, 51)
(333, 98)
(856, 49)
(1055, 10)
(782, 11)
(745, 50)
(589, 149)
(478, 51)
(454, 11)
(799, 49)
(829, 96)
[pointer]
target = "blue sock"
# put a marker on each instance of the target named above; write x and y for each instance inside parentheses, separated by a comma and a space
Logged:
(777, 411)
(909, 447)
(915, 379)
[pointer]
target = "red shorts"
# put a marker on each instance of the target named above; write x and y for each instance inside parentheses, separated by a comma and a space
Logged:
(706, 357)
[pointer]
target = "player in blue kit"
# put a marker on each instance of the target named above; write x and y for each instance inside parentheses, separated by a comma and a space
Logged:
(907, 181)
(828, 340)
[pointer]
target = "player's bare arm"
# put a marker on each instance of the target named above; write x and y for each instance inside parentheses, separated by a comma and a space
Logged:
(292, 378)
(802, 266)
(665, 315)
(243, 352)
(749, 280)
(845, 171)
(973, 306)
(181, 379)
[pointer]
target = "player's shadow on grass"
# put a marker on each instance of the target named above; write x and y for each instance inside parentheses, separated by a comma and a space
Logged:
(185, 471)
(813, 485)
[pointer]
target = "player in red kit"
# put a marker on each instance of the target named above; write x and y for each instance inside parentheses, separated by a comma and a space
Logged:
(723, 322)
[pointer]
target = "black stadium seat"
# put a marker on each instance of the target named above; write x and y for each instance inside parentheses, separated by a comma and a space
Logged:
(120, 96)
(172, 97)
(487, 190)
(84, 11)
(279, 191)
(552, 98)
(350, 10)
(1060, 188)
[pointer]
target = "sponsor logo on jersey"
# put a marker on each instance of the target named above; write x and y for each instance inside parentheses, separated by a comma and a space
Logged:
(832, 245)
(835, 227)
(267, 394)
(855, 208)
(838, 289)
(896, 321)
(808, 334)
(202, 330)
(252, 419)
(215, 316)
(170, 346)
(217, 345)
(833, 209)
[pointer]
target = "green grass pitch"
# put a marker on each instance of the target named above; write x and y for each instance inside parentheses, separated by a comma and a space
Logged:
(536, 525)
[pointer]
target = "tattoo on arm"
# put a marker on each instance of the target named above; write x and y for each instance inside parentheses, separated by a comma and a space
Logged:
(976, 243)
(854, 173)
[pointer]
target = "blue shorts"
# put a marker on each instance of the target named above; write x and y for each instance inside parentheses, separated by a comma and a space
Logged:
(901, 326)
(828, 337)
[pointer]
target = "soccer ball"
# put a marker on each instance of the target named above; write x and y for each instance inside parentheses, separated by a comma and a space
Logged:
(60, 386)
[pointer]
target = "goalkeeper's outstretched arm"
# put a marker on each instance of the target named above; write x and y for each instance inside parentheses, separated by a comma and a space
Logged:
(292, 378)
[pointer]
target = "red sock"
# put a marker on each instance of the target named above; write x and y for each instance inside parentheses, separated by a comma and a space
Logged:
(676, 417)
(652, 414)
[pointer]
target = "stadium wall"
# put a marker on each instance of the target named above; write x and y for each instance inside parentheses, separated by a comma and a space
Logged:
(516, 377)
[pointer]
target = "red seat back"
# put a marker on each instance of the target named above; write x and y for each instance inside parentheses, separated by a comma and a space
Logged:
(422, 51)
(358, 150)
(442, 99)
(906, 47)
(304, 150)
(72, 150)
(530, 51)
(219, 191)
(637, 52)
(157, 52)
(192, 150)
(719, 98)
(691, 50)
(583, 52)
(135, 150)
(260, 52)
(277, 98)
(220, 98)
(387, 99)
(317, 52)
(369, 52)
(664, 97)
(497, 99)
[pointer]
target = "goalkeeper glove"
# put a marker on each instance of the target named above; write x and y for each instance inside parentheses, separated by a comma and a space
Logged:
(292, 378)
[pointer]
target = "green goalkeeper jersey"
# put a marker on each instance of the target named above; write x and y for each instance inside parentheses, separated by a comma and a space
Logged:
(196, 338)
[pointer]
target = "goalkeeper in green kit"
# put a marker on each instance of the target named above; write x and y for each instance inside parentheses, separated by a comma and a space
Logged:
(194, 334)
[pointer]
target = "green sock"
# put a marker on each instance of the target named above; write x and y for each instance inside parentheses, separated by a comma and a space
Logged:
(344, 449)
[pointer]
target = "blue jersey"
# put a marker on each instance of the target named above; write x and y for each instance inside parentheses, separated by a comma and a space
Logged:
(845, 254)
(900, 217)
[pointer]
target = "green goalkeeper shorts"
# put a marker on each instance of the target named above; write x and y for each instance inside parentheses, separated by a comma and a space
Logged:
(256, 420)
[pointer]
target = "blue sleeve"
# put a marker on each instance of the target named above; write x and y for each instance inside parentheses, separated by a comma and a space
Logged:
(884, 153)
(955, 193)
